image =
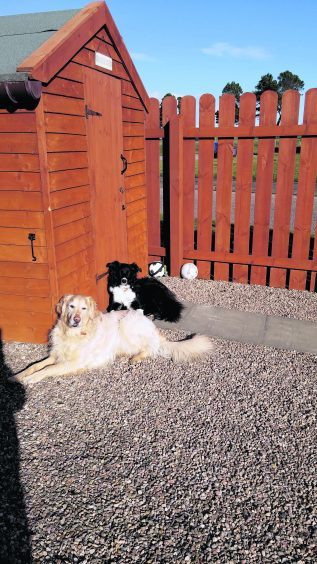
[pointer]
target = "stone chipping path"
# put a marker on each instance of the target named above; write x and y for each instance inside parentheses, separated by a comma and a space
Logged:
(212, 461)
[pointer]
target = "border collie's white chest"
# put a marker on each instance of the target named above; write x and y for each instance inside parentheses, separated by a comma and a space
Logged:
(123, 295)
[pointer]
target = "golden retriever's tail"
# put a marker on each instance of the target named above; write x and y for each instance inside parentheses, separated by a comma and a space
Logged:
(185, 350)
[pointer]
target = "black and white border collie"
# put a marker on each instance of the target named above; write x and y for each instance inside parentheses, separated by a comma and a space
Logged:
(129, 292)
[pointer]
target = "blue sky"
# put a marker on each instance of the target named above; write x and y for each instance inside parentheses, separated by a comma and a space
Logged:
(193, 47)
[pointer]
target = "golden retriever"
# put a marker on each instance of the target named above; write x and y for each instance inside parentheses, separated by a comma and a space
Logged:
(84, 338)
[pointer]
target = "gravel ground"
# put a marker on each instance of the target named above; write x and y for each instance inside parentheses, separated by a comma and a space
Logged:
(213, 461)
(257, 299)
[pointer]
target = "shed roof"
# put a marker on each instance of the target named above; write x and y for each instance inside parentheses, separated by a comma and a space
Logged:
(22, 34)
(37, 46)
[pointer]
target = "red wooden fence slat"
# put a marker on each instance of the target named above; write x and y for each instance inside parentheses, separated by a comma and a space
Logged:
(153, 176)
(243, 186)
(169, 108)
(284, 187)
(224, 185)
(305, 192)
(263, 191)
(314, 276)
(205, 183)
(188, 112)
(176, 195)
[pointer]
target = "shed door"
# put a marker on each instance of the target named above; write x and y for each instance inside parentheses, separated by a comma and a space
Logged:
(105, 147)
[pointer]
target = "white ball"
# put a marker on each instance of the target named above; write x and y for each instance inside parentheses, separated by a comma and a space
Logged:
(189, 271)
(156, 269)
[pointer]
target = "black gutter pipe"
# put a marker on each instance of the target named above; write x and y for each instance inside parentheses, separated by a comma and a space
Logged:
(20, 94)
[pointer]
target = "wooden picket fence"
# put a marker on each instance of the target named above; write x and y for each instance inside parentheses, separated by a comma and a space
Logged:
(240, 231)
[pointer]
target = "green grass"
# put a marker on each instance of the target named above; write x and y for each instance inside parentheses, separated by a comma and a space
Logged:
(235, 159)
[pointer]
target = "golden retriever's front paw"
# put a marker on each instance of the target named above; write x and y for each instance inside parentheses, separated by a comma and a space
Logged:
(33, 378)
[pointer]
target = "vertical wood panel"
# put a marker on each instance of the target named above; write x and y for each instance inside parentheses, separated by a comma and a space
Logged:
(169, 112)
(306, 190)
(169, 109)
(205, 183)
(153, 175)
(243, 187)
(103, 93)
(284, 188)
(224, 185)
(263, 192)
(48, 218)
(188, 112)
(176, 194)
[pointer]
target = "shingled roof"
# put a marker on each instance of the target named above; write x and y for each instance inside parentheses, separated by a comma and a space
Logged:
(22, 34)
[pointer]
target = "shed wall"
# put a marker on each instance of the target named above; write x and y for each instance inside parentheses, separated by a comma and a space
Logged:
(44, 189)
(65, 126)
(25, 305)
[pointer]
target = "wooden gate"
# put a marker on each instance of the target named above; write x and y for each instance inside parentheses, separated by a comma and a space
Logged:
(105, 147)
(241, 196)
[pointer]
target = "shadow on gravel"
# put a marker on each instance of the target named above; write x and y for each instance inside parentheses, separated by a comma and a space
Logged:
(15, 546)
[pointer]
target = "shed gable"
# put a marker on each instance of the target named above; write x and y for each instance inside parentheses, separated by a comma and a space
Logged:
(46, 61)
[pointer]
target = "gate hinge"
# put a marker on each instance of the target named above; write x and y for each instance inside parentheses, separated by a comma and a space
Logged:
(90, 112)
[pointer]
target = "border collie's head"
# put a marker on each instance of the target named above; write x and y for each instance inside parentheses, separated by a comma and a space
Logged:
(122, 273)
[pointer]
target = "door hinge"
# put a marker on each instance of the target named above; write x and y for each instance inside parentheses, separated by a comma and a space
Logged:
(90, 112)
(100, 276)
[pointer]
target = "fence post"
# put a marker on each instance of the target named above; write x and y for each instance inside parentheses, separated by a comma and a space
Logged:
(176, 195)
(152, 151)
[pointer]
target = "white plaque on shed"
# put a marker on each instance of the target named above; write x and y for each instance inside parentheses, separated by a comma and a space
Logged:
(103, 61)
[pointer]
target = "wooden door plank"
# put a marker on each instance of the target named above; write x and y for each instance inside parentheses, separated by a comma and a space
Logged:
(105, 146)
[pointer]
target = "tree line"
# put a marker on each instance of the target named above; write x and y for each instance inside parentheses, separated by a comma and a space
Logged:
(286, 80)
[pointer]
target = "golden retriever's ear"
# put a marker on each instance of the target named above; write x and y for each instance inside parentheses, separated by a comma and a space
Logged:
(62, 301)
(92, 307)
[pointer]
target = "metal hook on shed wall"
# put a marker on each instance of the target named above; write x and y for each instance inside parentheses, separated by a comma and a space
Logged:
(32, 238)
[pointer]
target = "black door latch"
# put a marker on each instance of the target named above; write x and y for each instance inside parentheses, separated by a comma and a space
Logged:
(125, 164)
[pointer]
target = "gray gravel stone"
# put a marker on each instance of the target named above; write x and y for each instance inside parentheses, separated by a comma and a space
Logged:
(212, 461)
(258, 299)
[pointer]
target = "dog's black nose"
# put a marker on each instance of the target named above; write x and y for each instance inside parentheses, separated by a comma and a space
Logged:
(124, 280)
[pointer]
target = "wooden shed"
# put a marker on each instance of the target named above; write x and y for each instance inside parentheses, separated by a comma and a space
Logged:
(72, 163)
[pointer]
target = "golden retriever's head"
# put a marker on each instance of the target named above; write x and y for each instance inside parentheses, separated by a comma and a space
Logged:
(76, 311)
